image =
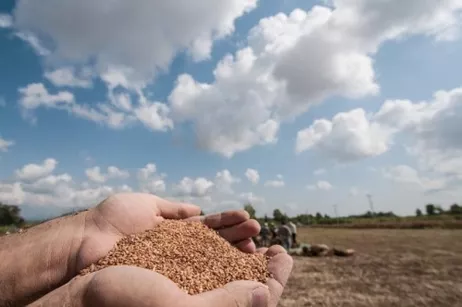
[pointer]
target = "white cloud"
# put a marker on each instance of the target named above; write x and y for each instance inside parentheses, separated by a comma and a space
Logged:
(154, 116)
(434, 128)
(224, 181)
(35, 95)
(67, 76)
(6, 21)
(146, 172)
(252, 175)
(297, 60)
(319, 171)
(114, 172)
(36, 171)
(117, 113)
(251, 198)
(347, 137)
(11, 194)
(34, 42)
(354, 191)
(150, 181)
(320, 185)
(5, 144)
(142, 37)
(408, 175)
(95, 175)
(199, 187)
(279, 183)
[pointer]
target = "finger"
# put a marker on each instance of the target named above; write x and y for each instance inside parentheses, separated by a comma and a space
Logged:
(177, 210)
(280, 265)
(241, 231)
(234, 294)
(247, 246)
(224, 219)
(262, 250)
(274, 250)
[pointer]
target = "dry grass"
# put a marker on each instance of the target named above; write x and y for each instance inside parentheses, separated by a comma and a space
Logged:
(391, 268)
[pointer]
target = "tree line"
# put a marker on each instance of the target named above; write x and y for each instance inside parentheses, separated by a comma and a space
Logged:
(11, 215)
(324, 219)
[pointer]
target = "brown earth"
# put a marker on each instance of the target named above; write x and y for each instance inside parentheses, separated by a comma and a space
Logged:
(391, 268)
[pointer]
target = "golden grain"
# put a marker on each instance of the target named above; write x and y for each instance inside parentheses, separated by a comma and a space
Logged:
(191, 254)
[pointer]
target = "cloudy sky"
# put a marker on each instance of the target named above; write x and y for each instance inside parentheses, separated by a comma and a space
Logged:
(292, 104)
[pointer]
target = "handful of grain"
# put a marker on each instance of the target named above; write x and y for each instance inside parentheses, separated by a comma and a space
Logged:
(191, 254)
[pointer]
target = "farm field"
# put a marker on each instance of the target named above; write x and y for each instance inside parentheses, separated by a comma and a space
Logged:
(392, 267)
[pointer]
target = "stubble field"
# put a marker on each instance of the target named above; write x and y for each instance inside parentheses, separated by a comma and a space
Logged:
(391, 268)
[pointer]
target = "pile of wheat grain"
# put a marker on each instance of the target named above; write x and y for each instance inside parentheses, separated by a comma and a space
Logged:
(192, 255)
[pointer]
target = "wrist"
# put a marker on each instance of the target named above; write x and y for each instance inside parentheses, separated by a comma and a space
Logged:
(40, 259)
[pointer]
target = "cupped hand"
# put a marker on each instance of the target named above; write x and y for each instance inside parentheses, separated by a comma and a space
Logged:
(127, 286)
(125, 214)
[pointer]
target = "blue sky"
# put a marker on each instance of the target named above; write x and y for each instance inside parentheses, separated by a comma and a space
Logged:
(308, 94)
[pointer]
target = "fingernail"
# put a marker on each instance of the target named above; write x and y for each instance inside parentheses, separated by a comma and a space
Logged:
(260, 297)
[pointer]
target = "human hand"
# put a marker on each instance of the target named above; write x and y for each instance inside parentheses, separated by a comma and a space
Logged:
(125, 214)
(127, 286)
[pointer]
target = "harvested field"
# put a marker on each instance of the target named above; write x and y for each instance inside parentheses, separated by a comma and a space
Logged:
(391, 268)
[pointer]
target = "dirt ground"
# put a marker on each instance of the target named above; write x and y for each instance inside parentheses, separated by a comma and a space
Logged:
(390, 268)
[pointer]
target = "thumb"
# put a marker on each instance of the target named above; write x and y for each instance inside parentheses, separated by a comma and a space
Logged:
(235, 294)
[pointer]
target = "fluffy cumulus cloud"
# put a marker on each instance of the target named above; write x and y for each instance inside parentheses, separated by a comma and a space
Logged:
(67, 76)
(320, 185)
(251, 198)
(125, 46)
(289, 63)
(150, 181)
(6, 21)
(252, 175)
(117, 112)
(34, 171)
(94, 174)
(434, 128)
(224, 181)
(38, 184)
(431, 127)
(405, 174)
(198, 187)
(348, 136)
(140, 37)
(294, 61)
(277, 183)
(5, 144)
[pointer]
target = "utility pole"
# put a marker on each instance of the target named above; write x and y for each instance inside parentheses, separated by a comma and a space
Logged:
(336, 213)
(371, 203)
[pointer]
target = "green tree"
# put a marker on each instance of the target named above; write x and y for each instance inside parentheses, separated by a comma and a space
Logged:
(430, 209)
(250, 209)
(455, 209)
(318, 216)
(439, 210)
(278, 216)
(418, 212)
(10, 215)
